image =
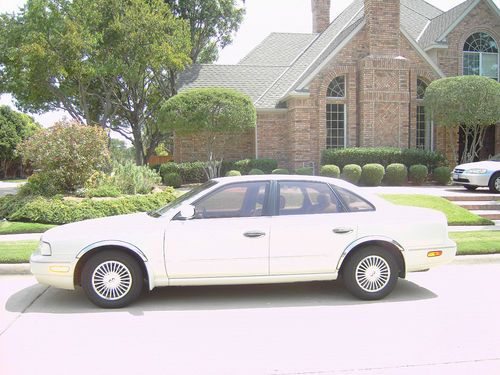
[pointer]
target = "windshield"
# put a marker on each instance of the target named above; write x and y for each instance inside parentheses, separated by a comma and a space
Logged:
(495, 158)
(179, 200)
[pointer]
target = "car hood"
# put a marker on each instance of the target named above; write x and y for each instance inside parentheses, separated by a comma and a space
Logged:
(487, 164)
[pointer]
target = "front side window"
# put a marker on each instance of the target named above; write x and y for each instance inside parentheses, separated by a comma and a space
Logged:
(306, 198)
(235, 200)
(480, 56)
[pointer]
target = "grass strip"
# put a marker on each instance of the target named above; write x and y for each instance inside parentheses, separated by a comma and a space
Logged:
(455, 215)
(475, 243)
(17, 227)
(16, 251)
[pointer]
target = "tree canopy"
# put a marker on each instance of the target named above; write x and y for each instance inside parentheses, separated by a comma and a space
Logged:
(212, 112)
(470, 103)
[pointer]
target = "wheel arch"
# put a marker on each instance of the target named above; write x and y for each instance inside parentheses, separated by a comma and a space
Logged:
(380, 241)
(85, 254)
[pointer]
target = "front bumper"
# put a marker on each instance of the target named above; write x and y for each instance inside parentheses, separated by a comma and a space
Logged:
(471, 179)
(53, 272)
(418, 259)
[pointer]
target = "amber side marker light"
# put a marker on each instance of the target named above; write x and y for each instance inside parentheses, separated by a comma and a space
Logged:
(432, 254)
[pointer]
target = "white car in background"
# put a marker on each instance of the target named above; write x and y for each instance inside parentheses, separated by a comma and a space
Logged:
(247, 230)
(479, 174)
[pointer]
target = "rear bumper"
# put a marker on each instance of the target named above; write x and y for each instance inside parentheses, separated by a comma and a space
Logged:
(418, 259)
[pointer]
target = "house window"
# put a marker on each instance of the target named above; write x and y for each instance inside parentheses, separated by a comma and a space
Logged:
(481, 56)
(336, 113)
(424, 127)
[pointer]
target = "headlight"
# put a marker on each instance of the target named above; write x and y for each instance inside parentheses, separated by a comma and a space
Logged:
(477, 171)
(44, 248)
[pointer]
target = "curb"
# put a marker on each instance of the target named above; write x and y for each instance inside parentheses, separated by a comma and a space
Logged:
(24, 268)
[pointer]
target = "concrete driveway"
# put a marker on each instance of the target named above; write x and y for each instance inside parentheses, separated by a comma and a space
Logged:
(9, 187)
(445, 321)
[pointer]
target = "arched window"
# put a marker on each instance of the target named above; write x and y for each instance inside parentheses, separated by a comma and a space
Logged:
(336, 113)
(424, 126)
(481, 56)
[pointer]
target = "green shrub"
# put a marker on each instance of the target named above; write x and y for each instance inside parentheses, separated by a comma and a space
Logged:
(329, 170)
(442, 175)
(418, 174)
(233, 173)
(396, 174)
(102, 191)
(173, 179)
(351, 173)
(190, 172)
(133, 179)
(306, 171)
(41, 184)
(382, 155)
(280, 171)
(372, 174)
(256, 171)
(246, 165)
(56, 210)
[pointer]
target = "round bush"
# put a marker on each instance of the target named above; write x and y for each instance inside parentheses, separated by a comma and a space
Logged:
(173, 179)
(305, 171)
(329, 170)
(233, 173)
(442, 175)
(396, 174)
(280, 171)
(351, 173)
(418, 174)
(372, 174)
(255, 171)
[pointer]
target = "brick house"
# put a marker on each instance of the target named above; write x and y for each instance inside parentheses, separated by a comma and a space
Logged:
(357, 81)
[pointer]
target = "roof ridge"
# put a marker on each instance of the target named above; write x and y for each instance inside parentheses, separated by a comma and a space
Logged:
(415, 11)
(452, 9)
(435, 7)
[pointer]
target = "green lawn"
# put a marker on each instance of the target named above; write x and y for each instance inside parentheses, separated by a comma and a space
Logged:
(456, 215)
(16, 251)
(15, 227)
(18, 180)
(483, 242)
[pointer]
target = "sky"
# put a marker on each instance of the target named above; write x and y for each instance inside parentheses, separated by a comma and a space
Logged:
(262, 18)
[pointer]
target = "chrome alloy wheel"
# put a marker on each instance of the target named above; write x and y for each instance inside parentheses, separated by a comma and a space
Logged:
(497, 184)
(111, 280)
(373, 273)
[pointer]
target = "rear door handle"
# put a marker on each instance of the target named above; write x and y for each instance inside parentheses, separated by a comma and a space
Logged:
(342, 230)
(254, 234)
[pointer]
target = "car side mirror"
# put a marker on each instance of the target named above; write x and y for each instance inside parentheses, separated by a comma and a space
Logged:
(187, 212)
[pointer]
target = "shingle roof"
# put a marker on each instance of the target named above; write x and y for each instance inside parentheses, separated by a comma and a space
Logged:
(250, 79)
(278, 49)
(441, 23)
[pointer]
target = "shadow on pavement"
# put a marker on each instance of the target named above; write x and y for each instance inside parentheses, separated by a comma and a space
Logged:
(311, 294)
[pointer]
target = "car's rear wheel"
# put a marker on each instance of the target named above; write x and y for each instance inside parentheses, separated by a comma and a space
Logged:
(112, 279)
(370, 273)
(494, 184)
(471, 187)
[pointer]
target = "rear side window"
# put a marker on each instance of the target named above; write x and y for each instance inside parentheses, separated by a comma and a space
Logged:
(306, 198)
(353, 202)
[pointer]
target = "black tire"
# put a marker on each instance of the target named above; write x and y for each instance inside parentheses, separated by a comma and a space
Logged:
(470, 187)
(494, 184)
(370, 273)
(112, 279)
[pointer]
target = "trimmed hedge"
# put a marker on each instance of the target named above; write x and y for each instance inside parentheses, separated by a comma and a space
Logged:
(351, 173)
(233, 173)
(442, 175)
(256, 171)
(56, 210)
(396, 174)
(372, 174)
(190, 172)
(418, 174)
(280, 171)
(245, 166)
(305, 171)
(329, 170)
(382, 155)
(173, 179)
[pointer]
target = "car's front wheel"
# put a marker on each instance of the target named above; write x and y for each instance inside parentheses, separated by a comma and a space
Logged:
(370, 273)
(495, 183)
(112, 279)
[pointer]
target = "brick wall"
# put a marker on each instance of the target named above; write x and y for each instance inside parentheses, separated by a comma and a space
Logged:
(382, 23)
(321, 15)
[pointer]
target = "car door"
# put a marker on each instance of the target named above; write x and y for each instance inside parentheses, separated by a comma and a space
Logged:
(228, 236)
(311, 229)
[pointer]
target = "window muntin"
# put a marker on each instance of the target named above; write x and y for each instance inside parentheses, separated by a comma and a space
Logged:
(335, 125)
(353, 202)
(306, 198)
(421, 128)
(336, 89)
(480, 56)
(246, 199)
(421, 87)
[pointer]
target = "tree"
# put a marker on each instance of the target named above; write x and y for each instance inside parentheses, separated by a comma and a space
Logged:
(469, 103)
(105, 62)
(211, 112)
(14, 128)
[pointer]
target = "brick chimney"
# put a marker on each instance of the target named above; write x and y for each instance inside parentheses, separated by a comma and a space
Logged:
(382, 21)
(321, 15)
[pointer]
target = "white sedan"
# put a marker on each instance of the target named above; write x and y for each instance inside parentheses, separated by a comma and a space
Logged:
(247, 230)
(479, 174)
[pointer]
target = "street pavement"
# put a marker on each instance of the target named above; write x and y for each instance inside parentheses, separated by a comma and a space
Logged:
(444, 321)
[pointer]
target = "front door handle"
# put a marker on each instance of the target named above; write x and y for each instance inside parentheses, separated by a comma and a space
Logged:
(254, 234)
(342, 230)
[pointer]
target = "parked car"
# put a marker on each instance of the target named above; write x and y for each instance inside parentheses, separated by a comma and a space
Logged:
(247, 230)
(479, 174)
